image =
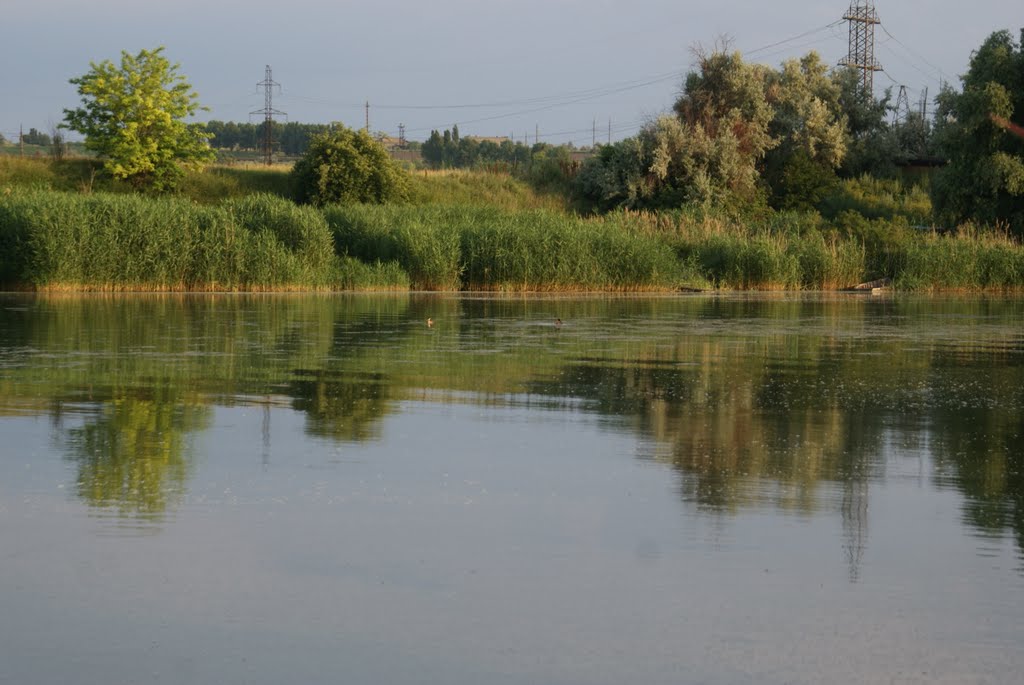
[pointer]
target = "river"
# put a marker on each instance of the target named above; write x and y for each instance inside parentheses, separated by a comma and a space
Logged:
(736, 488)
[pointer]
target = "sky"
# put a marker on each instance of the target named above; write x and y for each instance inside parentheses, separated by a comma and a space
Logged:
(568, 70)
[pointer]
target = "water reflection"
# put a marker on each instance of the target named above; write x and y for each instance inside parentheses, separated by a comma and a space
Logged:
(131, 455)
(796, 404)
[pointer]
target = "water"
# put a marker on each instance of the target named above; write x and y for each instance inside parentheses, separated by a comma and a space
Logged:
(307, 489)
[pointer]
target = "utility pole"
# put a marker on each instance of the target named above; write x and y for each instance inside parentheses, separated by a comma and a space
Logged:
(924, 105)
(401, 136)
(593, 134)
(609, 130)
(367, 117)
(268, 83)
(862, 18)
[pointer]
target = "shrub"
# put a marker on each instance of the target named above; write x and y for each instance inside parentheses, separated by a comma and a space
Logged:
(346, 166)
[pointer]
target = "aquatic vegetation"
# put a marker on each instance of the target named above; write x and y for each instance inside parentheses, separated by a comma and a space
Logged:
(57, 241)
(484, 248)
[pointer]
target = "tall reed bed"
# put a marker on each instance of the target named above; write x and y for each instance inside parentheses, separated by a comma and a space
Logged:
(484, 248)
(781, 252)
(53, 241)
(970, 260)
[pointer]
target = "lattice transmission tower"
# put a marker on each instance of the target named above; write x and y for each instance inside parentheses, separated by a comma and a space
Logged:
(268, 84)
(862, 18)
(902, 110)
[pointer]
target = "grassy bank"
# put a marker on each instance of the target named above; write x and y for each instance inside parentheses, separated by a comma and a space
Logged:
(84, 175)
(231, 228)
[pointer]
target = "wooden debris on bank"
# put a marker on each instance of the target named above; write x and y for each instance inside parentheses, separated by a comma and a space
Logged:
(877, 286)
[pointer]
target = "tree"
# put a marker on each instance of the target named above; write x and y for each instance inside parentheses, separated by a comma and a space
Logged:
(347, 166)
(810, 128)
(132, 115)
(984, 179)
(873, 147)
(36, 137)
(709, 153)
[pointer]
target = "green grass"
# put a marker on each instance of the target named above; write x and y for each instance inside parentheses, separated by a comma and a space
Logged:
(487, 189)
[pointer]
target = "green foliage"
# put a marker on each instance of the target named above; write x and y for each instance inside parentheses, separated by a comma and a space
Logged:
(492, 189)
(984, 180)
(301, 230)
(801, 182)
(291, 138)
(736, 125)
(966, 261)
(346, 166)
(724, 116)
(128, 242)
(35, 137)
(615, 178)
(132, 115)
(874, 198)
(449, 150)
(477, 248)
(810, 128)
(872, 147)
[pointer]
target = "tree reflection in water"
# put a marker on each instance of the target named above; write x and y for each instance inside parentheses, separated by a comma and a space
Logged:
(794, 403)
(132, 456)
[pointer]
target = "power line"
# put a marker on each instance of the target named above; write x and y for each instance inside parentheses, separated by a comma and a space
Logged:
(793, 38)
(942, 74)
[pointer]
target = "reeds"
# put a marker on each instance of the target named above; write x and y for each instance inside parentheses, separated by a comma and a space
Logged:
(101, 241)
(484, 248)
(53, 240)
(970, 260)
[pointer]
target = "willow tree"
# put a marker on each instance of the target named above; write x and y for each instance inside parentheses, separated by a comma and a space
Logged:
(133, 116)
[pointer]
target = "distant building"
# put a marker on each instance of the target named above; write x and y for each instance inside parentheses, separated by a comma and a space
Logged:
(497, 140)
(390, 142)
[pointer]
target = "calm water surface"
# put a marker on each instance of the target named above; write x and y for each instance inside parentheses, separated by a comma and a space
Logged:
(733, 489)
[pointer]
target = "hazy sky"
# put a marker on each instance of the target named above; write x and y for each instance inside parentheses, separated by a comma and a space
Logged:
(495, 67)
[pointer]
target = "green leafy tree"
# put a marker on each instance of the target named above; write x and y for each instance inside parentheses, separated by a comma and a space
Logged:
(346, 166)
(811, 131)
(726, 115)
(615, 177)
(708, 153)
(984, 179)
(133, 116)
(873, 146)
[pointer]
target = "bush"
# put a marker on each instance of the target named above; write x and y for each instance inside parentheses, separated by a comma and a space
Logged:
(346, 166)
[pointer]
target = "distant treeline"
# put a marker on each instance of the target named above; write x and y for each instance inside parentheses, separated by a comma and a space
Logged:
(449, 150)
(291, 138)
